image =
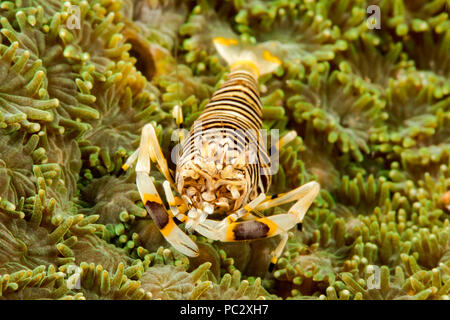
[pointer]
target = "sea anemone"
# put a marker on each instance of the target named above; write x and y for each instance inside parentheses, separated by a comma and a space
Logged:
(232, 287)
(349, 16)
(17, 157)
(378, 289)
(96, 283)
(337, 109)
(414, 114)
(417, 16)
(370, 108)
(434, 59)
(96, 43)
(296, 31)
(39, 283)
(158, 22)
(91, 249)
(27, 245)
(168, 282)
(371, 64)
(122, 97)
(22, 92)
(50, 7)
(60, 84)
(113, 199)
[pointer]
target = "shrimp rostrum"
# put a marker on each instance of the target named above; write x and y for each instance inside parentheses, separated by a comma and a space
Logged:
(223, 166)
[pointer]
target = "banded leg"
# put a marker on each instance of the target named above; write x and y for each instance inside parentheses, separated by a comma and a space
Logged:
(177, 113)
(130, 161)
(174, 204)
(276, 253)
(213, 229)
(269, 226)
(288, 137)
(151, 199)
(293, 195)
(149, 148)
(245, 210)
(304, 195)
(295, 215)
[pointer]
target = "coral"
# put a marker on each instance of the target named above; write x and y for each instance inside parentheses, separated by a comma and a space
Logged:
(157, 21)
(432, 150)
(41, 233)
(231, 287)
(291, 171)
(16, 162)
(50, 7)
(113, 199)
(27, 245)
(41, 47)
(349, 16)
(203, 25)
(166, 278)
(417, 124)
(64, 154)
(436, 59)
(207, 254)
(163, 256)
(119, 100)
(417, 16)
(433, 248)
(363, 194)
(313, 259)
(412, 116)
(149, 236)
(400, 288)
(420, 194)
(373, 64)
(318, 158)
(307, 272)
(388, 290)
(333, 106)
(22, 92)
(168, 282)
(97, 43)
(99, 284)
(93, 250)
(297, 31)
(370, 108)
(39, 283)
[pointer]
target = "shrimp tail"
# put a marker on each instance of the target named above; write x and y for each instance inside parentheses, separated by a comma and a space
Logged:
(257, 58)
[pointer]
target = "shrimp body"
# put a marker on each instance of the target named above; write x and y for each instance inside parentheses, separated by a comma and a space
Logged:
(223, 165)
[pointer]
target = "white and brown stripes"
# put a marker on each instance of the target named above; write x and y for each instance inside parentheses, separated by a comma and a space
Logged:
(230, 126)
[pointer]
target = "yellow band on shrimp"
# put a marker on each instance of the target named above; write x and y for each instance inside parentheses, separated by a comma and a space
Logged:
(151, 198)
(225, 42)
(167, 229)
(272, 226)
(245, 64)
(271, 58)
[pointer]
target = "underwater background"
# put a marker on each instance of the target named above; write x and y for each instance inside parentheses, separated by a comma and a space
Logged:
(371, 107)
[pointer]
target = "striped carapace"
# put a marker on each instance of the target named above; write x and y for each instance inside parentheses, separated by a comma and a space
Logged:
(223, 165)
